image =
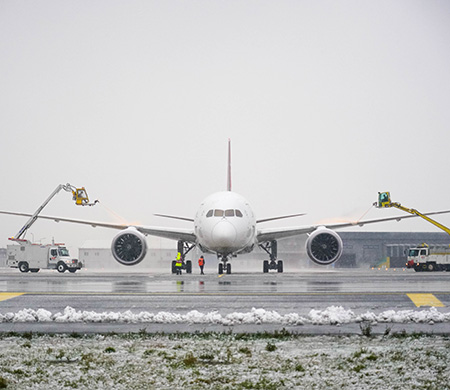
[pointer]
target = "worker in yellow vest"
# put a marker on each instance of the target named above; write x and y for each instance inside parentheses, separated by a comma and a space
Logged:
(178, 263)
(201, 264)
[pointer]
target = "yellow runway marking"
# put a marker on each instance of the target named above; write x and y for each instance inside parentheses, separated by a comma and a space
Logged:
(5, 296)
(425, 300)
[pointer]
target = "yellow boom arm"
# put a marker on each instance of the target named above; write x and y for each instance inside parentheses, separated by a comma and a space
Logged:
(384, 201)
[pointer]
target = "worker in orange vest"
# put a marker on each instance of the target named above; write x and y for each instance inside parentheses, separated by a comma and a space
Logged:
(201, 264)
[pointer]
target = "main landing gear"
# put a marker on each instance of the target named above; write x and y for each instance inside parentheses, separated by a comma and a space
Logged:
(224, 265)
(270, 247)
(183, 248)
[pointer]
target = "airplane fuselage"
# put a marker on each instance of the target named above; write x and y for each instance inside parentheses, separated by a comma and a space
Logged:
(225, 224)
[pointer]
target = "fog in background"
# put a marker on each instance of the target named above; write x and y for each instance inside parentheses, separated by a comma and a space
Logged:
(326, 104)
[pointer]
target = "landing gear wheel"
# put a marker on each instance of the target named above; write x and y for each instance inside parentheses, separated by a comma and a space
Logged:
(280, 266)
(189, 267)
(271, 248)
(228, 268)
(23, 267)
(220, 268)
(61, 267)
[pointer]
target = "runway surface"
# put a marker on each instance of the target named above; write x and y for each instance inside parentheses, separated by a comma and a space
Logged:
(353, 291)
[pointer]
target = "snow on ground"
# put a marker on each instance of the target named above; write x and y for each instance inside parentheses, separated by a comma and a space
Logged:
(224, 361)
(333, 315)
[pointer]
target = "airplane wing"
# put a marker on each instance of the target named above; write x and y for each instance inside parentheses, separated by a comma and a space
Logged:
(171, 233)
(278, 233)
(174, 217)
(281, 217)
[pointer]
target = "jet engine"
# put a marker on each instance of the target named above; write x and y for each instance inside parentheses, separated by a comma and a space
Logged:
(324, 246)
(129, 247)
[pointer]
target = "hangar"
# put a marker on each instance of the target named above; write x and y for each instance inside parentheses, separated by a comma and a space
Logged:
(361, 250)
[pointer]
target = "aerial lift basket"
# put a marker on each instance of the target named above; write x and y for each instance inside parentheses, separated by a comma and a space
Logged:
(384, 200)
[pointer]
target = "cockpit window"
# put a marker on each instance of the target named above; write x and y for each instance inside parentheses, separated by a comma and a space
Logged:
(226, 213)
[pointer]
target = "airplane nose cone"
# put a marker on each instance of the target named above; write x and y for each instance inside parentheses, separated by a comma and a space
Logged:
(224, 234)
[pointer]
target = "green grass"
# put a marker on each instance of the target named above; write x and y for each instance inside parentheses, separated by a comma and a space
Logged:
(3, 383)
(278, 360)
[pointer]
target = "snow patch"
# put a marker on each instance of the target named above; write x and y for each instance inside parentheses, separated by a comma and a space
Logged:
(333, 315)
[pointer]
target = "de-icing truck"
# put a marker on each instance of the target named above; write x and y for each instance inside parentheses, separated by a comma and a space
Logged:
(423, 257)
(429, 258)
(33, 257)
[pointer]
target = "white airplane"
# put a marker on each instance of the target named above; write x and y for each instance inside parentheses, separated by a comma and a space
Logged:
(226, 226)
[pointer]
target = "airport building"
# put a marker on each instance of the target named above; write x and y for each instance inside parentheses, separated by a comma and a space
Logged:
(2, 257)
(367, 249)
(361, 250)
(98, 255)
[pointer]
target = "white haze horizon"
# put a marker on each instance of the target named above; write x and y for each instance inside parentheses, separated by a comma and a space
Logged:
(326, 103)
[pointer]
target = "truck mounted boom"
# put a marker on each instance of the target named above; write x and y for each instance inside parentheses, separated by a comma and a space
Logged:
(27, 256)
(423, 257)
(384, 201)
(79, 196)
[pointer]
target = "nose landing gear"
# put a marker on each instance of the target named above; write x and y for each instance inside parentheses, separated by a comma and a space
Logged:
(224, 265)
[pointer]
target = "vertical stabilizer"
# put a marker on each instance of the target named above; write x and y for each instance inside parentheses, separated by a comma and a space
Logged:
(229, 166)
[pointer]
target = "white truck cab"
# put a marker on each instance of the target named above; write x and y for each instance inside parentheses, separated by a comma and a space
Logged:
(429, 258)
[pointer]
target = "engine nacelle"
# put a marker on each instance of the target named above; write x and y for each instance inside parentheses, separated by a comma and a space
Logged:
(129, 247)
(324, 246)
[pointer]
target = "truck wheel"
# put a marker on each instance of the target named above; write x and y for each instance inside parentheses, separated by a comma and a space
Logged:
(72, 270)
(174, 267)
(61, 267)
(430, 267)
(23, 266)
(34, 270)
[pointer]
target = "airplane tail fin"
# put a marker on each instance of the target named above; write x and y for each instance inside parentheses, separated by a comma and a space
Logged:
(229, 166)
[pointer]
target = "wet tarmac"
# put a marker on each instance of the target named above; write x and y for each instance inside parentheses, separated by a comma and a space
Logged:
(356, 290)
(310, 281)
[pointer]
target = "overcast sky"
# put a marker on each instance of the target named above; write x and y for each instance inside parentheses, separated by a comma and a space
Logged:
(326, 103)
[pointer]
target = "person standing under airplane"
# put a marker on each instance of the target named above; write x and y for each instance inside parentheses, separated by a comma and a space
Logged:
(201, 264)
